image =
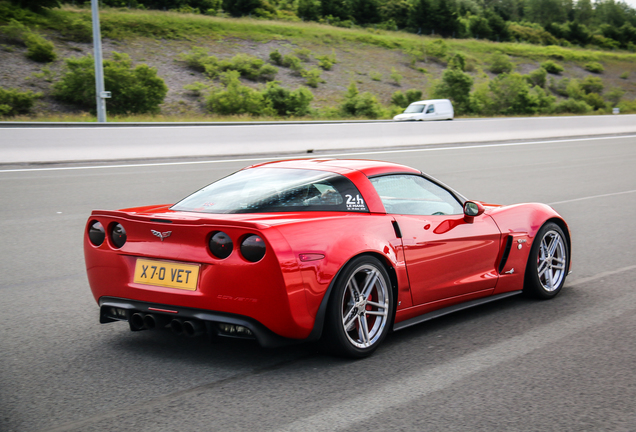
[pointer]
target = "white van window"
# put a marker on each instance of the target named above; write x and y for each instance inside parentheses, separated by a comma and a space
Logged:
(430, 109)
(414, 108)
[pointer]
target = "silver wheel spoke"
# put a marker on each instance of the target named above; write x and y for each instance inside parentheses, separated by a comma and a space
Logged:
(549, 280)
(375, 304)
(377, 313)
(543, 265)
(353, 286)
(559, 266)
(556, 241)
(365, 329)
(369, 283)
(349, 319)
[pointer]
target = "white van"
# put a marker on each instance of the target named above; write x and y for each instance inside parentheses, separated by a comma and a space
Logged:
(434, 109)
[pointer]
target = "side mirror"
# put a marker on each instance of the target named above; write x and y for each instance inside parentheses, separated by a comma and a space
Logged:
(473, 209)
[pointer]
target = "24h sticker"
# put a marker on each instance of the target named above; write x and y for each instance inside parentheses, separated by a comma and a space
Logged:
(355, 203)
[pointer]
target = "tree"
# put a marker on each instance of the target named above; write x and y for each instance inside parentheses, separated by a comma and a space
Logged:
(445, 18)
(455, 85)
(396, 10)
(420, 19)
(239, 8)
(366, 11)
(309, 9)
(545, 11)
(37, 5)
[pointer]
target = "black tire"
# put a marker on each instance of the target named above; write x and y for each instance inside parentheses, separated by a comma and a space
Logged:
(548, 263)
(369, 318)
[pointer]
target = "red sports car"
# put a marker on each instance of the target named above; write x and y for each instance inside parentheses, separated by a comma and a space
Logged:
(298, 250)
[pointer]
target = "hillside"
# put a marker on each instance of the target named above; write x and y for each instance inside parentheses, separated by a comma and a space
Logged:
(377, 61)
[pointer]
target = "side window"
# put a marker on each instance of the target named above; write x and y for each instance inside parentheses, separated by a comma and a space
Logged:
(414, 195)
(430, 109)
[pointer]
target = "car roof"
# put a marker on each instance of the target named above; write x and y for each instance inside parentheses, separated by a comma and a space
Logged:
(342, 166)
(428, 101)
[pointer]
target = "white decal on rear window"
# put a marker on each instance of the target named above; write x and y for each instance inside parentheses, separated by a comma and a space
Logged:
(355, 203)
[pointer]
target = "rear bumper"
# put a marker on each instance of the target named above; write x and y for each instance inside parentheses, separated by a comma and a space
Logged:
(119, 309)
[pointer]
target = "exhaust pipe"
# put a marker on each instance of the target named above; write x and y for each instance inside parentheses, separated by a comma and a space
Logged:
(177, 326)
(155, 321)
(137, 322)
(193, 328)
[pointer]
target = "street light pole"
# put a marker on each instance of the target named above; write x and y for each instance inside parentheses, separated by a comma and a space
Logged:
(99, 68)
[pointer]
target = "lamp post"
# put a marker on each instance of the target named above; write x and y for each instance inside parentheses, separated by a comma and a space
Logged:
(101, 95)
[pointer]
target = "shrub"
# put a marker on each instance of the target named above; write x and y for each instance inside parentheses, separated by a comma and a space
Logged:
(627, 106)
(375, 76)
(327, 61)
(303, 53)
(532, 33)
(552, 67)
(403, 100)
(560, 87)
(500, 63)
(592, 84)
(77, 29)
(624, 75)
(196, 58)
(276, 57)
(236, 98)
(285, 102)
(574, 90)
(594, 67)
(361, 104)
(396, 77)
(595, 101)
(14, 102)
(614, 95)
(249, 67)
(14, 32)
(292, 62)
(312, 77)
(135, 91)
(572, 106)
(39, 49)
(510, 94)
(438, 49)
(537, 77)
(458, 61)
(197, 88)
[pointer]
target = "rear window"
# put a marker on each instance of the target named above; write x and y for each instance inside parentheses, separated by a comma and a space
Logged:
(263, 190)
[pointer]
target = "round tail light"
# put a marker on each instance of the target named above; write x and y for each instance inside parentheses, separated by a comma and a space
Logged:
(221, 245)
(118, 235)
(96, 233)
(253, 248)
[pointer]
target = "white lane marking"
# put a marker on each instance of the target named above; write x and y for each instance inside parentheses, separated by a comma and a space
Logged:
(592, 197)
(368, 405)
(318, 155)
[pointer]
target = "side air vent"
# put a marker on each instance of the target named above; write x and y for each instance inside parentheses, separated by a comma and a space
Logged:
(396, 228)
(161, 220)
(504, 258)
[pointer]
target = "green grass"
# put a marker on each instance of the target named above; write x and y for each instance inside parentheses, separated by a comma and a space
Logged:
(125, 24)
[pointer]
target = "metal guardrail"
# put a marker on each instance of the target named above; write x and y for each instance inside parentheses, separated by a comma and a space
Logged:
(9, 124)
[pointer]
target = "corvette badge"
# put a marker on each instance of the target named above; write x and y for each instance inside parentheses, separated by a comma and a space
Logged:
(161, 235)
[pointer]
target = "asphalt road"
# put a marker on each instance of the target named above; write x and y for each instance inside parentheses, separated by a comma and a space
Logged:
(515, 365)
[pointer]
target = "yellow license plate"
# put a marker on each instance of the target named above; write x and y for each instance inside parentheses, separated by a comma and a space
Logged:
(166, 274)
